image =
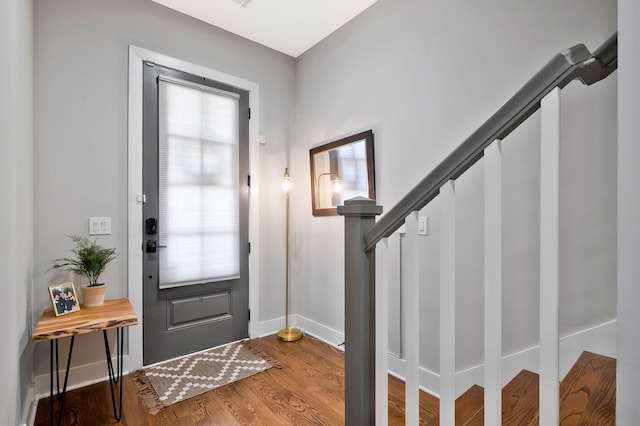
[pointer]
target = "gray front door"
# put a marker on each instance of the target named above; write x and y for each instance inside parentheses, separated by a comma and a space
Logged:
(195, 181)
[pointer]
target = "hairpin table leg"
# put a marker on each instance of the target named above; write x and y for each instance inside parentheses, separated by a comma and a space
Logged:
(59, 396)
(115, 376)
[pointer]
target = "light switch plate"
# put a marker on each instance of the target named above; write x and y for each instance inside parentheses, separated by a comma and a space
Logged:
(99, 225)
(423, 225)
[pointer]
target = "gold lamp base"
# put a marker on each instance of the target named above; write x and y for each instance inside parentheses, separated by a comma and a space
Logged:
(289, 334)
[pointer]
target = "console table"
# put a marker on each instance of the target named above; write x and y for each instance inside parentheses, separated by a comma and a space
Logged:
(114, 313)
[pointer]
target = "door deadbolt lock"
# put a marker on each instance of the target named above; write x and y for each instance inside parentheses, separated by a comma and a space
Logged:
(151, 226)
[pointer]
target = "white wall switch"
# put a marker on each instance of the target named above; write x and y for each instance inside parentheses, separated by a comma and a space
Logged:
(99, 225)
(423, 225)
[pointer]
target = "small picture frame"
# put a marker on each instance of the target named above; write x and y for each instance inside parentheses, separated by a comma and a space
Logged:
(63, 298)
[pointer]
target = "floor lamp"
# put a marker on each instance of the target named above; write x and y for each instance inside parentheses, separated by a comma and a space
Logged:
(287, 334)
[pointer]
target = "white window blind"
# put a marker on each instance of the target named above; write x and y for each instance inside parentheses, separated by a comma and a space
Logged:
(198, 184)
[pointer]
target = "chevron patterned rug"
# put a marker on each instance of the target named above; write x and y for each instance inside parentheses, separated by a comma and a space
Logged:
(161, 385)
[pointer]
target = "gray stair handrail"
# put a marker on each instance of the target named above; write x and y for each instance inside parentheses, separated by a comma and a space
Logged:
(576, 62)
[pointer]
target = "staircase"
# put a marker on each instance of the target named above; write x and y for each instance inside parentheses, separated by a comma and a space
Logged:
(587, 397)
(371, 269)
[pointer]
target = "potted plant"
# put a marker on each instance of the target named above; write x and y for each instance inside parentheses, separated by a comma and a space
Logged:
(90, 261)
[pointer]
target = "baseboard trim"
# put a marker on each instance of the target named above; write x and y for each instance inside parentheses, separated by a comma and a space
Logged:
(79, 376)
(30, 406)
(600, 339)
(321, 332)
(269, 327)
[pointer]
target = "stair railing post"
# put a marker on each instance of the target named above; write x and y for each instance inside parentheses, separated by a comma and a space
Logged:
(359, 334)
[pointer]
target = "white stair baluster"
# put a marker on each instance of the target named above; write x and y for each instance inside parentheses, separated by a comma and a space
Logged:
(383, 258)
(447, 304)
(549, 255)
(410, 315)
(493, 283)
(395, 295)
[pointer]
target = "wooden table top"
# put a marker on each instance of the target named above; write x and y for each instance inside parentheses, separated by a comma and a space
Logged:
(113, 313)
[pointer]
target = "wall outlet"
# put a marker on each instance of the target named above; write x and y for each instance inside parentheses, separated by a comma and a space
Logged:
(99, 225)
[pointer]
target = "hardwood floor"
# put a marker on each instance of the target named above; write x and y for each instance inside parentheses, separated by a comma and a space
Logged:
(308, 389)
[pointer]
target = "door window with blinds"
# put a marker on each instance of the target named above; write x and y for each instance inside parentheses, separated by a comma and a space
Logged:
(198, 183)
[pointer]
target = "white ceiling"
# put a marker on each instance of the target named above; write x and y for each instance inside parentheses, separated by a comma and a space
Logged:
(289, 26)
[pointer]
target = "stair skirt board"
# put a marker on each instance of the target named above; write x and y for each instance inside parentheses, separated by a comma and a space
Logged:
(600, 339)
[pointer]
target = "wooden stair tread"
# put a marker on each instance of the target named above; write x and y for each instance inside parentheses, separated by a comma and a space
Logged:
(469, 404)
(587, 397)
(467, 407)
(588, 392)
(429, 404)
(477, 419)
(519, 402)
(520, 399)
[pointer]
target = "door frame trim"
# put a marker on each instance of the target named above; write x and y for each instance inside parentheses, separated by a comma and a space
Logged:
(137, 55)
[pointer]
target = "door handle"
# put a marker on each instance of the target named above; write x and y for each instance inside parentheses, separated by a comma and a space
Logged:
(152, 246)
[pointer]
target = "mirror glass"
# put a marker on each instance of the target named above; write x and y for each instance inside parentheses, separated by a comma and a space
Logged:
(341, 170)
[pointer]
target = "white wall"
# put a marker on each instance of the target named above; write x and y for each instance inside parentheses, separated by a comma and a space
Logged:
(16, 214)
(81, 54)
(424, 75)
(628, 381)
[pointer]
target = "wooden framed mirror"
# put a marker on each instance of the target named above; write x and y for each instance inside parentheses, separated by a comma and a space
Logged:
(341, 170)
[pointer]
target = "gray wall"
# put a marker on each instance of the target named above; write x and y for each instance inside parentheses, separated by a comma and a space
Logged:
(424, 75)
(628, 363)
(81, 51)
(16, 214)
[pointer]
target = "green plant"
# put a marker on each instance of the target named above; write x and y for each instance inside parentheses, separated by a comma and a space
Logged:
(90, 260)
